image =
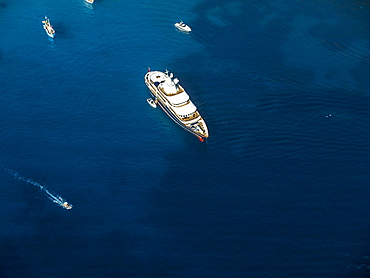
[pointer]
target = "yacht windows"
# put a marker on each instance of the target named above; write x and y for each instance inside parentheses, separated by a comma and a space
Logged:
(190, 116)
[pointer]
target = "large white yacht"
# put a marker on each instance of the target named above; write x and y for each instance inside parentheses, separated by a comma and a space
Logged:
(173, 99)
(48, 28)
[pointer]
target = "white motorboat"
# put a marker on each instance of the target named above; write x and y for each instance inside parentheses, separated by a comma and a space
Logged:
(152, 102)
(173, 99)
(66, 205)
(90, 1)
(48, 28)
(182, 26)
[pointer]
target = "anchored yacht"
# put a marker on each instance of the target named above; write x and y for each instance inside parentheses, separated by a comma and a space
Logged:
(182, 26)
(173, 99)
(90, 1)
(48, 28)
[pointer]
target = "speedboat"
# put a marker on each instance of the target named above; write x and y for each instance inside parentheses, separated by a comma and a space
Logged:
(182, 26)
(175, 102)
(66, 205)
(90, 1)
(48, 28)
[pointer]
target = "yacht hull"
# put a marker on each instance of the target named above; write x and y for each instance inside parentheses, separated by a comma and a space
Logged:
(51, 35)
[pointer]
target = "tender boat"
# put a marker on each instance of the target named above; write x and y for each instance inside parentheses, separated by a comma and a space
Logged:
(152, 102)
(182, 26)
(173, 99)
(90, 1)
(48, 28)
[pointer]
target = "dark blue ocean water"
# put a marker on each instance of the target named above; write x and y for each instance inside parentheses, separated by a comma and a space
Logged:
(280, 189)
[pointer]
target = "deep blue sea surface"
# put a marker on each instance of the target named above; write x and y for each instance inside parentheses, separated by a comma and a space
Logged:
(280, 189)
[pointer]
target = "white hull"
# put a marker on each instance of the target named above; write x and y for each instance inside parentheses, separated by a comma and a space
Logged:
(173, 99)
(182, 27)
(90, 1)
(151, 103)
(50, 34)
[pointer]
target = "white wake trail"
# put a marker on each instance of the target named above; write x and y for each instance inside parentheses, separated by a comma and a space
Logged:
(51, 195)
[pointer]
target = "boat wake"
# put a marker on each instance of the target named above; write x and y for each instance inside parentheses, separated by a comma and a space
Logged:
(51, 195)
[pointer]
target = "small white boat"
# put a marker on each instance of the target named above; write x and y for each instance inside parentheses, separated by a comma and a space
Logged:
(66, 205)
(90, 1)
(152, 102)
(48, 28)
(182, 26)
